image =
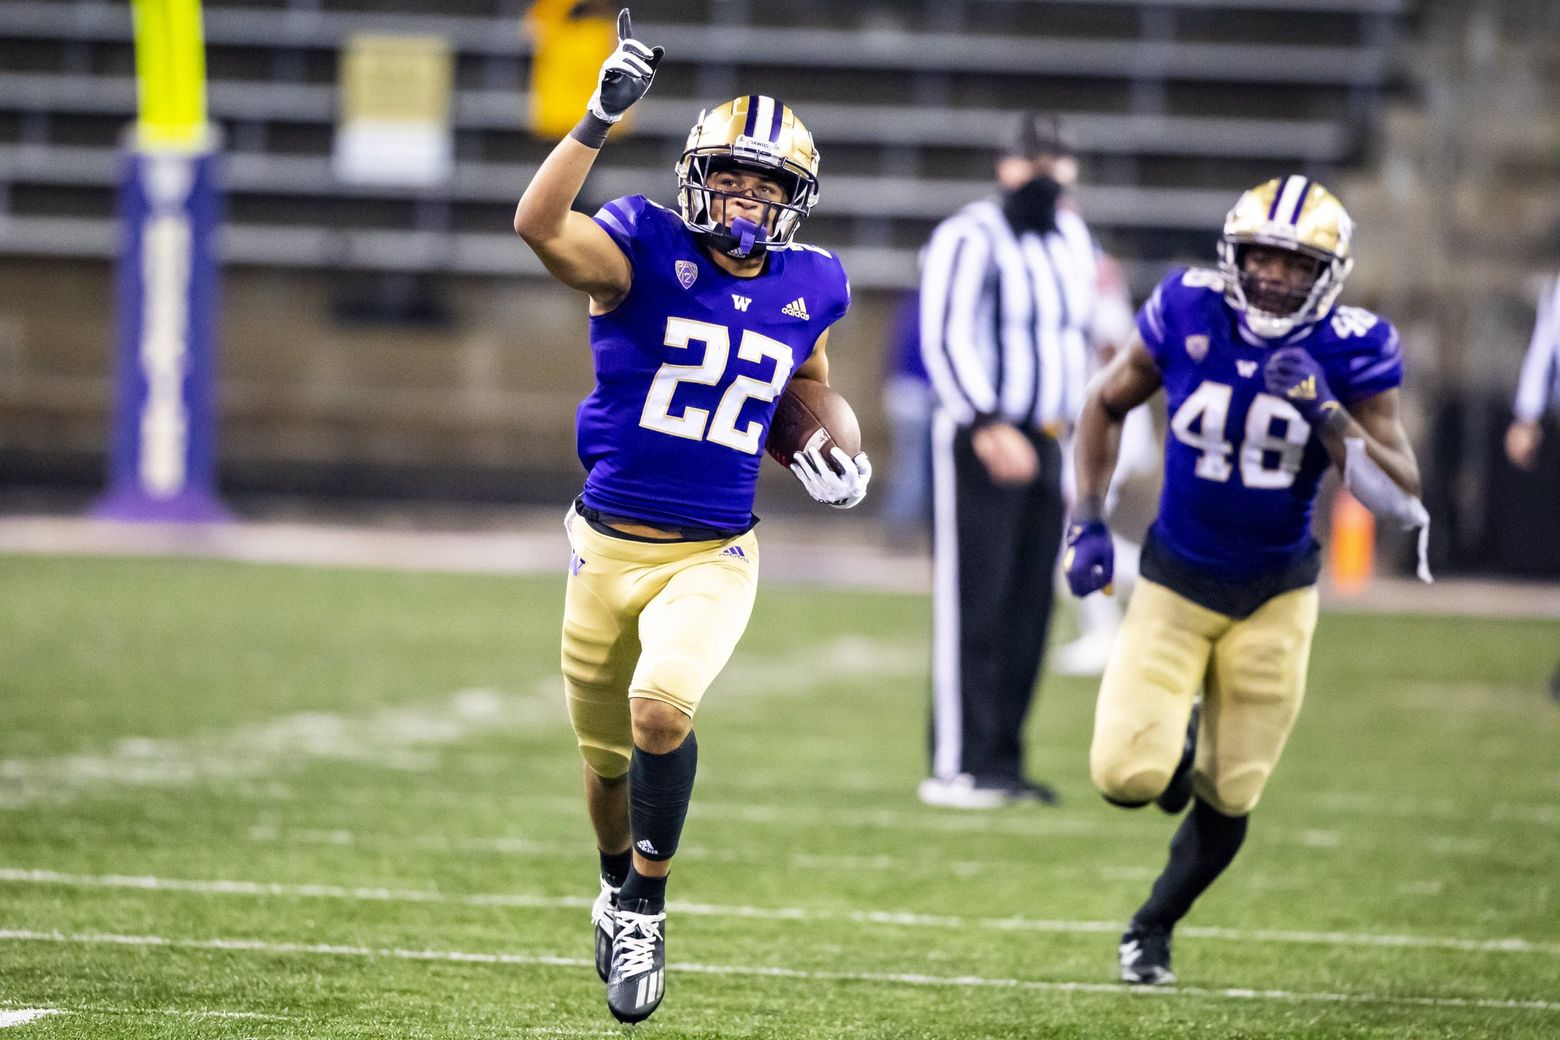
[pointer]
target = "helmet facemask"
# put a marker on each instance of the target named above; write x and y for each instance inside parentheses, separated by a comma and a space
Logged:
(1272, 309)
(740, 237)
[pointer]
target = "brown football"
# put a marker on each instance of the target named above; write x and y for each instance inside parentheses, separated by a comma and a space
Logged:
(806, 407)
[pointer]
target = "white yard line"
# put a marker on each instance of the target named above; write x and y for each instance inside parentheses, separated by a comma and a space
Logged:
(887, 978)
(232, 887)
(22, 1016)
(110, 1009)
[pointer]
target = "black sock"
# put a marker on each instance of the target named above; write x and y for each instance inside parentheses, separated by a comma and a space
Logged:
(1199, 852)
(659, 788)
(615, 866)
(652, 890)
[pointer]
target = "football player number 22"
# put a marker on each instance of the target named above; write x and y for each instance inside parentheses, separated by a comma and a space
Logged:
(696, 423)
(1199, 423)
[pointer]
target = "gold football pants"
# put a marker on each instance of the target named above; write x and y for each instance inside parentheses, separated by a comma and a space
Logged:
(1252, 674)
(647, 619)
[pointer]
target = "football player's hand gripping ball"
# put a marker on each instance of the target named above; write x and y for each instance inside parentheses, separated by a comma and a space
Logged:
(1298, 378)
(625, 75)
(1090, 560)
(842, 485)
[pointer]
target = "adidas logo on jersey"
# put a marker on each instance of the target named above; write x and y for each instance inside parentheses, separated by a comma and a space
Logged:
(740, 302)
(797, 308)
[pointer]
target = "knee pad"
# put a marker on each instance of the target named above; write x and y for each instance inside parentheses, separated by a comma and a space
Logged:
(1129, 784)
(1234, 794)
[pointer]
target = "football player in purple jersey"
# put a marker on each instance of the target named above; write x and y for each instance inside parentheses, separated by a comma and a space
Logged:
(1268, 383)
(699, 317)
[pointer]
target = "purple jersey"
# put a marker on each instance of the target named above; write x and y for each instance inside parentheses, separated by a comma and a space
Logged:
(688, 368)
(1241, 466)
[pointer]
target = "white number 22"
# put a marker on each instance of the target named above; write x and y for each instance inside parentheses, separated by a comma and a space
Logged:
(695, 423)
(1208, 408)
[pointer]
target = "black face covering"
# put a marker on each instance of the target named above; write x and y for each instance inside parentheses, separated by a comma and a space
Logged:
(1032, 205)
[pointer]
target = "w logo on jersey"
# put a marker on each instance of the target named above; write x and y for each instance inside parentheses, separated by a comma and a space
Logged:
(1247, 369)
(797, 308)
(740, 302)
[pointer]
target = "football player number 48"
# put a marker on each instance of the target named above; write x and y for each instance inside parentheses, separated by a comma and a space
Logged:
(696, 423)
(1275, 433)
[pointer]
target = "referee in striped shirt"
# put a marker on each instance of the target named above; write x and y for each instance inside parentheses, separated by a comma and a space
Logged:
(1007, 292)
(1538, 393)
(1538, 388)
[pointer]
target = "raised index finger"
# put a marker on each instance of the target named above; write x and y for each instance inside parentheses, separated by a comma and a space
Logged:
(625, 26)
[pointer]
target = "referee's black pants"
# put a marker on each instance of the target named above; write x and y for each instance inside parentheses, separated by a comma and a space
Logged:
(994, 553)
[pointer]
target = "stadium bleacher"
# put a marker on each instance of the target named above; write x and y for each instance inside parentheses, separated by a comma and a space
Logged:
(1167, 131)
(1177, 105)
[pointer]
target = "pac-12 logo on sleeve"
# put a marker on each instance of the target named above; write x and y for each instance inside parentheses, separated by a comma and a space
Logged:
(1196, 347)
(687, 271)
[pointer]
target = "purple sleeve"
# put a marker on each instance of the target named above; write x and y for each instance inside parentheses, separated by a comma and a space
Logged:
(1151, 319)
(620, 219)
(1374, 363)
(842, 293)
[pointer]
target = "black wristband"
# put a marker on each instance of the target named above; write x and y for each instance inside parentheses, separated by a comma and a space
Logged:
(591, 130)
(985, 419)
(1335, 418)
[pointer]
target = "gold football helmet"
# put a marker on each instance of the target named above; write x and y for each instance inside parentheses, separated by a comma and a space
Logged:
(1298, 215)
(760, 135)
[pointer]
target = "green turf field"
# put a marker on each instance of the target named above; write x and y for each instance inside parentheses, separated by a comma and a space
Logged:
(257, 801)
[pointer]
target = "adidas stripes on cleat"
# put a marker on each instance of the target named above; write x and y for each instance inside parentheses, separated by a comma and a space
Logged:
(637, 979)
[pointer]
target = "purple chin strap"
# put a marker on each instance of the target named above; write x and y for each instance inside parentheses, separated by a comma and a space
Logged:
(745, 235)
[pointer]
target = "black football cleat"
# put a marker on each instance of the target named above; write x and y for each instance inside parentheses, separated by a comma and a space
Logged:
(603, 919)
(1145, 957)
(637, 979)
(1178, 791)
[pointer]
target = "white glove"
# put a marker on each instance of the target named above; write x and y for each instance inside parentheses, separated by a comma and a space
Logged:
(625, 75)
(843, 489)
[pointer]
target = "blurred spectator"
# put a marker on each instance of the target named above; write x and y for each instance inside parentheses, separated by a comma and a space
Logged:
(1538, 390)
(1007, 290)
(907, 401)
(1538, 393)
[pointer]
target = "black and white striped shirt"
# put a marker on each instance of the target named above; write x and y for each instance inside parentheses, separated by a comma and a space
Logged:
(1538, 388)
(1004, 317)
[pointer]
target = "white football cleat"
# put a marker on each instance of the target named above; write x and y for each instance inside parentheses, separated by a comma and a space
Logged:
(962, 792)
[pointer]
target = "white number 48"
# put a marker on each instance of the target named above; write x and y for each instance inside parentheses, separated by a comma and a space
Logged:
(1200, 421)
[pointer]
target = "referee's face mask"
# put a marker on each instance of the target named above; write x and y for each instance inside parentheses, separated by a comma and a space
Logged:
(1036, 166)
(1031, 206)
